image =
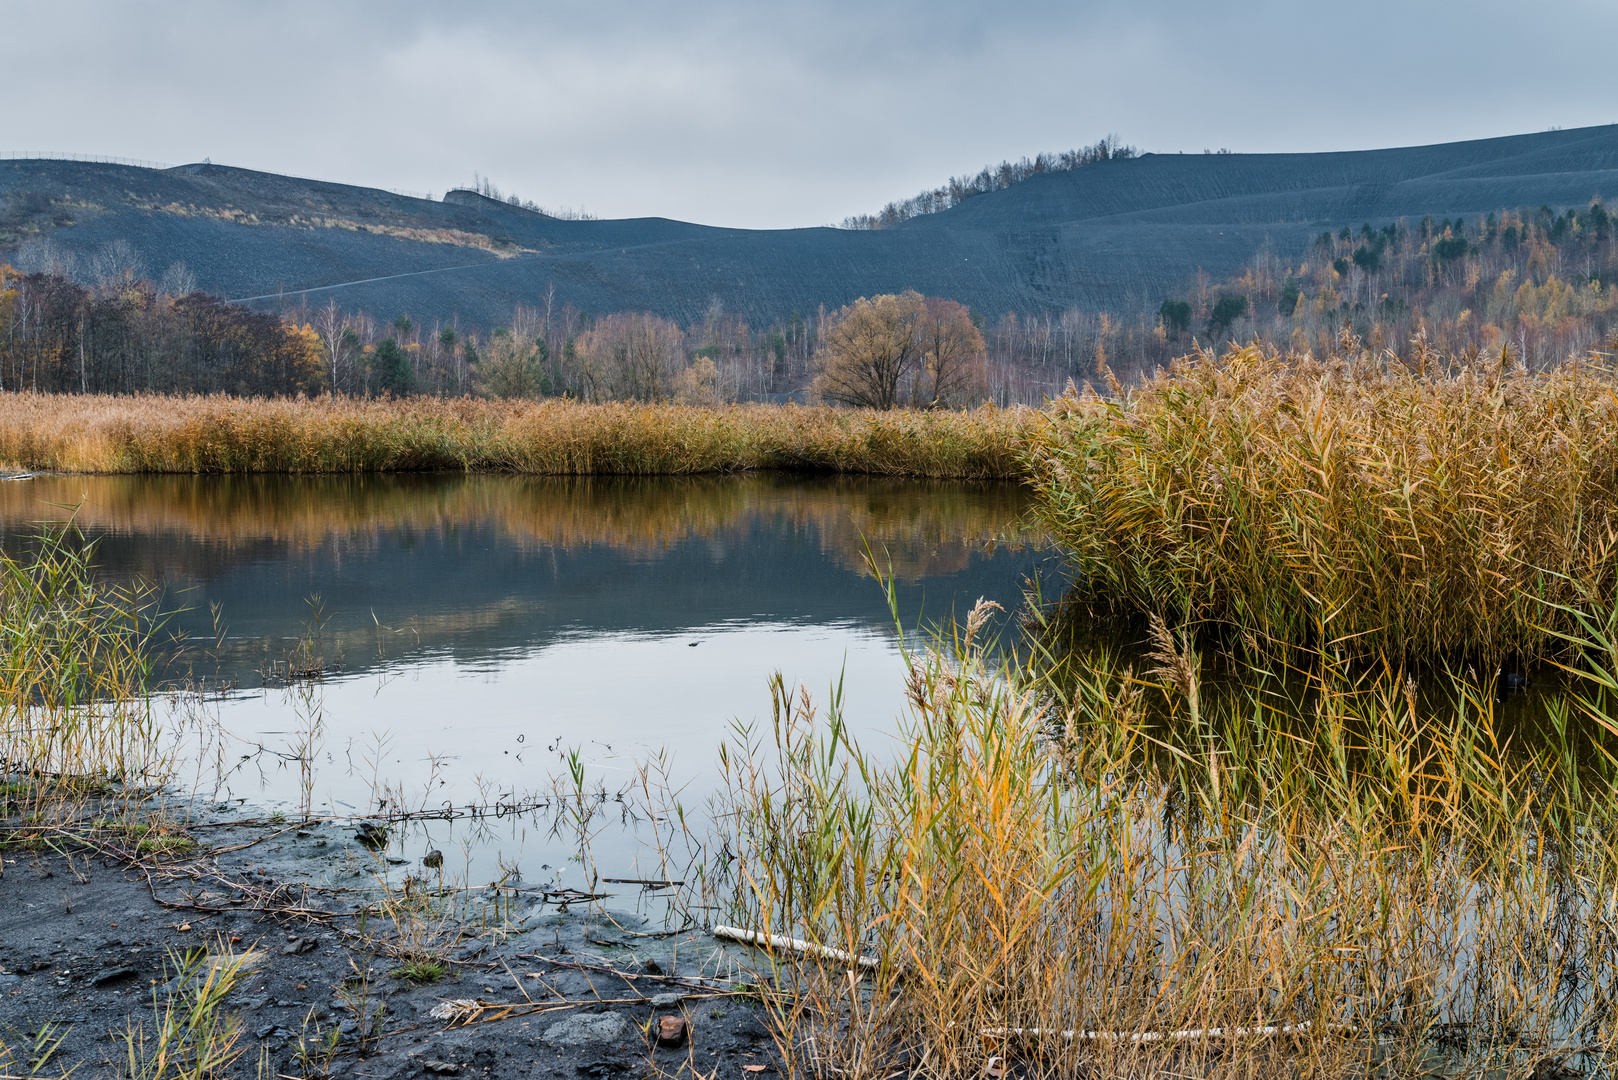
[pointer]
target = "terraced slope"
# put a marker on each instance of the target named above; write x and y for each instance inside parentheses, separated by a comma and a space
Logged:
(1116, 235)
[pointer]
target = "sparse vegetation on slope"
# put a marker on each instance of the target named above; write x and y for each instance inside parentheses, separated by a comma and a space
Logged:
(990, 178)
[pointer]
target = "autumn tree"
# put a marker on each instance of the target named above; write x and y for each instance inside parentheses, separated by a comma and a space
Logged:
(512, 365)
(634, 356)
(869, 351)
(698, 384)
(954, 360)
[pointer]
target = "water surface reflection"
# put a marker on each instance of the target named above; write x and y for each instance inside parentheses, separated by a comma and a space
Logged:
(476, 628)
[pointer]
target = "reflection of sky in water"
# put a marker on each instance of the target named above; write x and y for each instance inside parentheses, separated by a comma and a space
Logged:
(465, 733)
(465, 612)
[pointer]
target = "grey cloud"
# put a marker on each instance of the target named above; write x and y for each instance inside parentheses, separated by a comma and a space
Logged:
(773, 114)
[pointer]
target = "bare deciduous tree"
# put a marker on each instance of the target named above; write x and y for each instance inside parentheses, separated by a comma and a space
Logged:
(338, 338)
(632, 356)
(955, 360)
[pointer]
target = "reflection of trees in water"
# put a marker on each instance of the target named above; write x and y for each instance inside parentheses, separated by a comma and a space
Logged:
(921, 527)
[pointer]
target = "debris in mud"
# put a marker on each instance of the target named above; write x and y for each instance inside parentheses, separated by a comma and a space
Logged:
(531, 997)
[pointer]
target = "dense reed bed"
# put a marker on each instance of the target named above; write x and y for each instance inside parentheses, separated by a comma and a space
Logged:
(1392, 505)
(1079, 870)
(558, 438)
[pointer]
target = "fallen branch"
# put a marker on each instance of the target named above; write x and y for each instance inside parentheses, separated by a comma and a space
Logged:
(1187, 1035)
(802, 948)
(714, 987)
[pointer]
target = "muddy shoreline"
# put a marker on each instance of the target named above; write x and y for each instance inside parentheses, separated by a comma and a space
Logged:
(88, 942)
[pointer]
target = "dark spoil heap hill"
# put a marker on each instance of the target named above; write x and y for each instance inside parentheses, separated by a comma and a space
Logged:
(1117, 235)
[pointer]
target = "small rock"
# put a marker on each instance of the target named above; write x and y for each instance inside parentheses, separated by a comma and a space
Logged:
(264, 1031)
(394, 860)
(254, 1002)
(106, 978)
(8, 979)
(179, 985)
(651, 967)
(442, 1068)
(587, 1030)
(433, 859)
(667, 1001)
(300, 945)
(671, 1032)
(372, 835)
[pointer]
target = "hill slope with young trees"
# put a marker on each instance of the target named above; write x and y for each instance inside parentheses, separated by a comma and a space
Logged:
(1117, 235)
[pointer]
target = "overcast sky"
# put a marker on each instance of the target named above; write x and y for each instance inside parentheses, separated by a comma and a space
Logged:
(773, 114)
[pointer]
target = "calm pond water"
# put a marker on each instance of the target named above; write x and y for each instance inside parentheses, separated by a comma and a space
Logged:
(476, 630)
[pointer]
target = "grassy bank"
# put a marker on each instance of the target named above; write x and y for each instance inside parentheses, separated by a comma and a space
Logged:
(557, 438)
(1410, 508)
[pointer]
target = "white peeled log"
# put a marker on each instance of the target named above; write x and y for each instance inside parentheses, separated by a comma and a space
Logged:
(1187, 1035)
(795, 945)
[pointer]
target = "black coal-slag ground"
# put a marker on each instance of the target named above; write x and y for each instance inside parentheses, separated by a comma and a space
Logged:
(88, 946)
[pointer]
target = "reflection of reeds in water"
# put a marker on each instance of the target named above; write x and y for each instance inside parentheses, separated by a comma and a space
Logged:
(927, 527)
(1099, 875)
(562, 438)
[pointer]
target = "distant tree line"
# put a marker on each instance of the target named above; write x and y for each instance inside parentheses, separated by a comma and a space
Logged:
(481, 185)
(1537, 285)
(991, 178)
(125, 336)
